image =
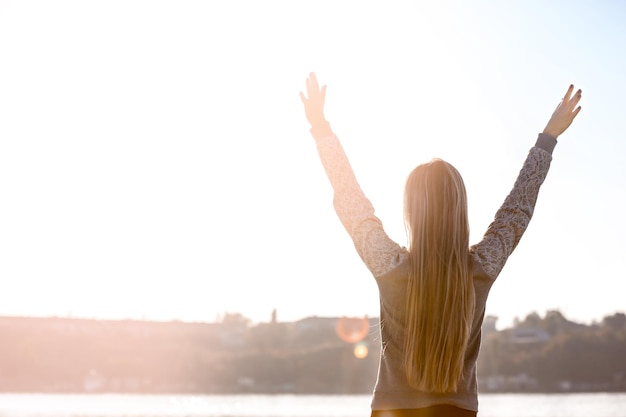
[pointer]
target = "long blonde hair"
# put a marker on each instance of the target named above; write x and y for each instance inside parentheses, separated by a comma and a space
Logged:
(440, 293)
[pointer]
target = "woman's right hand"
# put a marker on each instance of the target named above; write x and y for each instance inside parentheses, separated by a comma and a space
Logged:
(564, 113)
(314, 101)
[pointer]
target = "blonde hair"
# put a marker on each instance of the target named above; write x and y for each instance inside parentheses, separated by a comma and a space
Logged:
(440, 293)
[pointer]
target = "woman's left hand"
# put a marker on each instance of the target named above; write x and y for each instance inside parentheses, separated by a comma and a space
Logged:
(564, 113)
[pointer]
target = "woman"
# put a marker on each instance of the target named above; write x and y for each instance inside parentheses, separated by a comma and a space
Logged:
(433, 294)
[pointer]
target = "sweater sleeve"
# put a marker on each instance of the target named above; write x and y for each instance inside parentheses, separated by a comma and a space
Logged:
(379, 253)
(513, 217)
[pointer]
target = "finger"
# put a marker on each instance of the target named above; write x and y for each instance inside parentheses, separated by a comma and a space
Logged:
(574, 101)
(568, 93)
(314, 84)
(323, 94)
(576, 112)
(302, 97)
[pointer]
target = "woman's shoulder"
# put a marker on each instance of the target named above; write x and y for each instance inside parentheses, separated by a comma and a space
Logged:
(482, 280)
(397, 269)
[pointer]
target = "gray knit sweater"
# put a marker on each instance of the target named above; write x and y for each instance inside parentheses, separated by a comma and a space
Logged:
(388, 262)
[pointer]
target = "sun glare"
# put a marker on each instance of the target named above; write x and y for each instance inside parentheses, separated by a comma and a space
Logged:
(361, 351)
(352, 329)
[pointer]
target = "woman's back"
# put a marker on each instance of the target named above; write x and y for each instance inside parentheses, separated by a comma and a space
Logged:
(416, 308)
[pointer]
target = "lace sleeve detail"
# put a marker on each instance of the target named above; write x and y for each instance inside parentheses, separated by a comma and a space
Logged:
(514, 215)
(379, 253)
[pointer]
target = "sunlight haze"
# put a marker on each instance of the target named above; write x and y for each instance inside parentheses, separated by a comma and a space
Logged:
(156, 162)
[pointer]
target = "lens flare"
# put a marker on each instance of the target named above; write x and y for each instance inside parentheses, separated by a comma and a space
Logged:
(352, 329)
(361, 351)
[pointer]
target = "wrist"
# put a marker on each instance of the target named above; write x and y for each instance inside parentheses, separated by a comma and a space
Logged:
(321, 129)
(550, 132)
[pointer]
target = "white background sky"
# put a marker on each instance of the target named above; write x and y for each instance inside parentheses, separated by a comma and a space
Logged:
(155, 160)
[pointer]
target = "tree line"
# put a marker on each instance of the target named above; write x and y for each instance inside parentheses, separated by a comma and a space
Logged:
(322, 355)
(550, 354)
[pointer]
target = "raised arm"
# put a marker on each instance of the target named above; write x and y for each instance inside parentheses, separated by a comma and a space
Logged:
(355, 211)
(513, 217)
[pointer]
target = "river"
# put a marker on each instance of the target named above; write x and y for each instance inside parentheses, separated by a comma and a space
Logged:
(122, 405)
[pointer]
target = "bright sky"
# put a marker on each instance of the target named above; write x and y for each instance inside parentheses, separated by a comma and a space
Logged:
(155, 160)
